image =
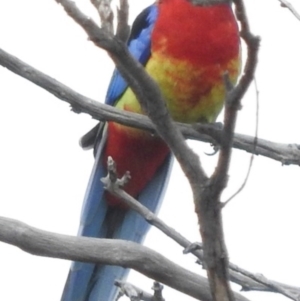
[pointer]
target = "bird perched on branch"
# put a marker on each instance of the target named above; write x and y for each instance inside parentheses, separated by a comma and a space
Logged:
(186, 46)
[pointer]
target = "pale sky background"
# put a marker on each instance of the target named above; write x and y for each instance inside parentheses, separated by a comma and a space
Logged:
(44, 172)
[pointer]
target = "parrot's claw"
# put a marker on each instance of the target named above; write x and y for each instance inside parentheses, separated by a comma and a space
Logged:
(216, 148)
(193, 247)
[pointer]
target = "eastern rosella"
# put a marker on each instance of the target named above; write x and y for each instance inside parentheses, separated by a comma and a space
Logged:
(186, 49)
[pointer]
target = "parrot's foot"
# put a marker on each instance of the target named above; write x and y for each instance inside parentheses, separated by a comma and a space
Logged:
(193, 247)
(214, 131)
(216, 148)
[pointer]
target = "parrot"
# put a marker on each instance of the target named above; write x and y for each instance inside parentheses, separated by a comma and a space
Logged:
(186, 49)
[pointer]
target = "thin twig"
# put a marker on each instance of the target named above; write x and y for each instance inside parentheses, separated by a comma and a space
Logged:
(288, 5)
(274, 286)
(123, 28)
(254, 150)
(106, 15)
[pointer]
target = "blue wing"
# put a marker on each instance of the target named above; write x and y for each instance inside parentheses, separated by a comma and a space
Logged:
(88, 281)
(139, 45)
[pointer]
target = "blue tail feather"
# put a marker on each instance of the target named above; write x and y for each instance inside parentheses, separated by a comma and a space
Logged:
(91, 224)
(90, 282)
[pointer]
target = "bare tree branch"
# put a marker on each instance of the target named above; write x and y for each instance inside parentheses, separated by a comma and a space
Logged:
(284, 153)
(127, 254)
(207, 195)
